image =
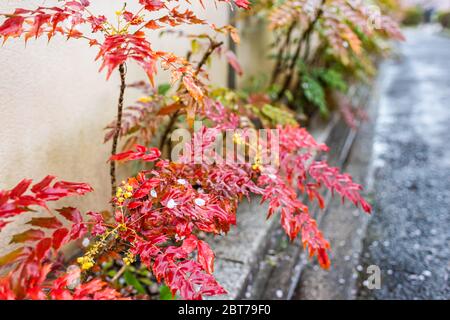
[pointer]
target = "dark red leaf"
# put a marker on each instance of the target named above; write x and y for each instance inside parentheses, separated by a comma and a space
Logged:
(205, 256)
(45, 222)
(59, 238)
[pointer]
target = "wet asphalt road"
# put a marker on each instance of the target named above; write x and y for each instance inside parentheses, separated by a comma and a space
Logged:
(408, 237)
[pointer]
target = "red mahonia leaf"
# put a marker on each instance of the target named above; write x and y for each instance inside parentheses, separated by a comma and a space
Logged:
(43, 247)
(71, 214)
(98, 227)
(44, 183)
(205, 256)
(116, 49)
(60, 237)
(12, 27)
(234, 63)
(79, 228)
(141, 153)
(244, 4)
(20, 188)
(45, 222)
(152, 5)
(152, 25)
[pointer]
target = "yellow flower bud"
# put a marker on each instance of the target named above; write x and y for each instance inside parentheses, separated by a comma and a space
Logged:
(128, 195)
(256, 167)
(87, 265)
(237, 139)
(145, 99)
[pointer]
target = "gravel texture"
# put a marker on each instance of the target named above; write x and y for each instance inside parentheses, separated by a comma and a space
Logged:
(403, 159)
(408, 237)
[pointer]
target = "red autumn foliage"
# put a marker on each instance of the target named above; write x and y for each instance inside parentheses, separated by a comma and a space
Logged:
(171, 203)
(120, 43)
(35, 264)
(161, 212)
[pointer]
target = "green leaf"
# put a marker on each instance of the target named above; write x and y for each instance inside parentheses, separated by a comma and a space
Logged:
(314, 93)
(131, 280)
(195, 46)
(333, 79)
(163, 88)
(165, 293)
(112, 273)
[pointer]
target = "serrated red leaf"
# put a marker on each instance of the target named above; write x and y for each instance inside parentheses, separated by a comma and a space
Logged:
(20, 188)
(42, 248)
(60, 237)
(205, 256)
(71, 214)
(42, 184)
(12, 27)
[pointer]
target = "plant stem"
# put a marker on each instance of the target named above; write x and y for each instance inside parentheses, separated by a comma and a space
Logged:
(212, 47)
(291, 67)
(119, 273)
(279, 62)
(112, 169)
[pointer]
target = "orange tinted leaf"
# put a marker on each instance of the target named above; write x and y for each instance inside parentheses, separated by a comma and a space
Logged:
(27, 236)
(152, 25)
(13, 256)
(194, 90)
(170, 109)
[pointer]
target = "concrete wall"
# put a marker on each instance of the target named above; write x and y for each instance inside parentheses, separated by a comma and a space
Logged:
(54, 105)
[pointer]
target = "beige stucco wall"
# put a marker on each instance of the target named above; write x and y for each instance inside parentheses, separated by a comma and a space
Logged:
(54, 104)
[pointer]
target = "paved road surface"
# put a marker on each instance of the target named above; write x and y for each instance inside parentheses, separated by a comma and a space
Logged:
(405, 160)
(409, 234)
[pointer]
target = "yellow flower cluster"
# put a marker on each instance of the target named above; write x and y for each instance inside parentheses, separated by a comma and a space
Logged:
(124, 192)
(86, 262)
(257, 160)
(238, 139)
(129, 258)
(146, 99)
